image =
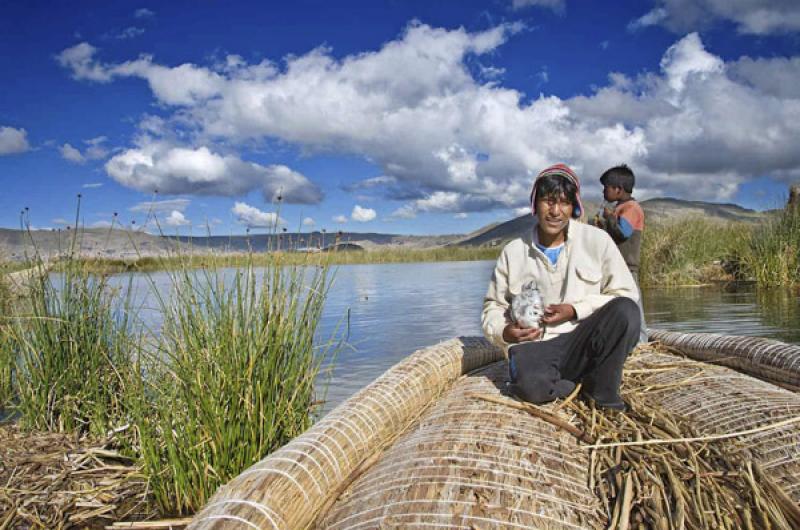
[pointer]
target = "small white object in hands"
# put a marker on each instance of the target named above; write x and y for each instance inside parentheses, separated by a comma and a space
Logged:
(527, 308)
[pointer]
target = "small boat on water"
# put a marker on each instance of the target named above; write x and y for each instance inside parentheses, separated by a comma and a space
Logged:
(435, 443)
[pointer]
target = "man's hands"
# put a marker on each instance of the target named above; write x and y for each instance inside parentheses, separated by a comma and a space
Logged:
(514, 333)
(555, 314)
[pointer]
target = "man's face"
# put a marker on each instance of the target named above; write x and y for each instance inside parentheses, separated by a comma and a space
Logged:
(611, 193)
(554, 213)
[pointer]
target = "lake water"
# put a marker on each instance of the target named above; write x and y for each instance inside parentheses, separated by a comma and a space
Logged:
(391, 310)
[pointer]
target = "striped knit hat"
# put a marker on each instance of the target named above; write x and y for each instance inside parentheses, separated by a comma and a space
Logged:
(561, 170)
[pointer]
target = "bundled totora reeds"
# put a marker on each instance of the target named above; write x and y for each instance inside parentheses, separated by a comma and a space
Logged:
(702, 447)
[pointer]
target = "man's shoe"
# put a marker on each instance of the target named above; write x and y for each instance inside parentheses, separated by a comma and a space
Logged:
(618, 404)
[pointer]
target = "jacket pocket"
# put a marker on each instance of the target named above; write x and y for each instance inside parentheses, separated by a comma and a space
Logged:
(590, 275)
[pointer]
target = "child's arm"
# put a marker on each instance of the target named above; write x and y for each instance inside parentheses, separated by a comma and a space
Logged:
(618, 227)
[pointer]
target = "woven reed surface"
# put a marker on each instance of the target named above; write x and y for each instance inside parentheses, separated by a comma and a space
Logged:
(413, 450)
(771, 360)
(716, 400)
(287, 489)
(470, 463)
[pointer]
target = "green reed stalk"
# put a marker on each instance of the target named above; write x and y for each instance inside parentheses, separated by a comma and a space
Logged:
(7, 362)
(7, 352)
(232, 378)
(73, 349)
(773, 256)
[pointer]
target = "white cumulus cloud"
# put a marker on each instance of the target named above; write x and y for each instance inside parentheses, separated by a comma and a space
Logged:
(13, 141)
(252, 217)
(80, 60)
(756, 17)
(176, 218)
(159, 165)
(340, 219)
(445, 139)
(522, 210)
(362, 215)
(72, 154)
(94, 151)
(308, 221)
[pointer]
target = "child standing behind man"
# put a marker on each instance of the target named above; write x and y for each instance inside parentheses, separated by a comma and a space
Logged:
(624, 223)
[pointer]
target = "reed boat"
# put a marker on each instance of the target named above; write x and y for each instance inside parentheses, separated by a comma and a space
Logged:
(713, 440)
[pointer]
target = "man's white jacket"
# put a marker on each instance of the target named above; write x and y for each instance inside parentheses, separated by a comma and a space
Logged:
(589, 272)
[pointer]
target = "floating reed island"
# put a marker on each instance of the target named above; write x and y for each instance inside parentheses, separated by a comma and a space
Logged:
(436, 443)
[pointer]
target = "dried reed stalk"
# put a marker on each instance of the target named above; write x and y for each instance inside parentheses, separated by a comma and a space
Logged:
(50, 480)
(657, 471)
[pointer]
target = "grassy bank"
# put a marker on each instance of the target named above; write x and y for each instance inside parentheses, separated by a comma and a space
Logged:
(697, 251)
(267, 259)
(693, 251)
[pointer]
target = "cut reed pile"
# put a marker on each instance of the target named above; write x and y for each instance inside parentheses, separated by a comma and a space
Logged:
(702, 447)
(52, 480)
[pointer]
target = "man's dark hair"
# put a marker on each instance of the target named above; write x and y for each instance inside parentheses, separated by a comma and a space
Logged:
(556, 186)
(621, 176)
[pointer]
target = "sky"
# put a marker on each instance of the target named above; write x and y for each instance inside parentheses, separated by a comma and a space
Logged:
(407, 117)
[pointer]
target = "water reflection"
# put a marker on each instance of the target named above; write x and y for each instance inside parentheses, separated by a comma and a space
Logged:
(734, 309)
(389, 311)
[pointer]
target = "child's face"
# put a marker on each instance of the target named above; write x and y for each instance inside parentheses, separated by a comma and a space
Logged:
(612, 193)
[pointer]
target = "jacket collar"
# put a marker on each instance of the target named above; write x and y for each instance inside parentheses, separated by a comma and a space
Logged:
(532, 237)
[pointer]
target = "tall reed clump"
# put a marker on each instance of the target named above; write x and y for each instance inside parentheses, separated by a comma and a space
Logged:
(773, 256)
(690, 251)
(7, 354)
(72, 346)
(232, 377)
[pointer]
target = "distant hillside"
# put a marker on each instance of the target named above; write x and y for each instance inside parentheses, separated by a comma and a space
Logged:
(125, 244)
(655, 210)
(668, 208)
(93, 242)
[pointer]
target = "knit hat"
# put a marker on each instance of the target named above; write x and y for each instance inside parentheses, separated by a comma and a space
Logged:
(561, 170)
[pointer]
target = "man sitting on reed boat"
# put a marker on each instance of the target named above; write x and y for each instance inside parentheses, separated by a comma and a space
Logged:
(591, 319)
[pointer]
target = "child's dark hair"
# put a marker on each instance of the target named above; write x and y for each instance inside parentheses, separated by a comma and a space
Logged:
(556, 186)
(621, 176)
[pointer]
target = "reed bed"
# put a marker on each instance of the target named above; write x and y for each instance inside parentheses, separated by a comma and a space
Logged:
(774, 257)
(201, 258)
(231, 379)
(228, 376)
(692, 251)
(72, 354)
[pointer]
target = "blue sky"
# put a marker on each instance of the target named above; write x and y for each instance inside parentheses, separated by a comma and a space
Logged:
(398, 116)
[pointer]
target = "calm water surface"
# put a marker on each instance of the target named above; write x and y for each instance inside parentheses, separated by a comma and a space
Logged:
(388, 311)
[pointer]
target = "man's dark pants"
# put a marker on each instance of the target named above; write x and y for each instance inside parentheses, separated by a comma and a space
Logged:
(593, 354)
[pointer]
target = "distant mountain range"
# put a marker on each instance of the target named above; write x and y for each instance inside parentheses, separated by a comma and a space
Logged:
(125, 244)
(655, 211)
